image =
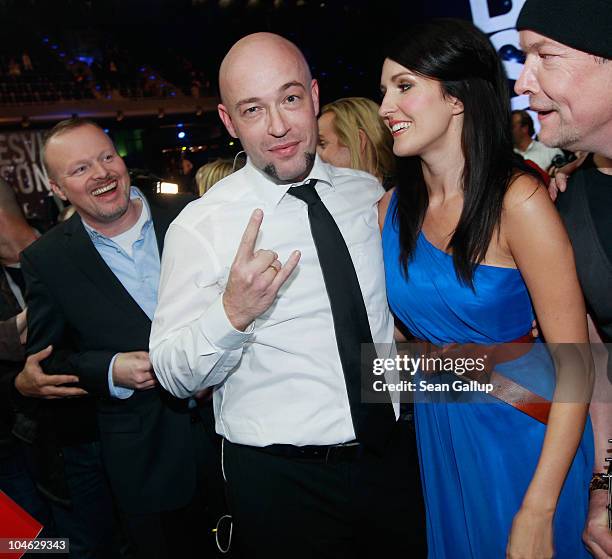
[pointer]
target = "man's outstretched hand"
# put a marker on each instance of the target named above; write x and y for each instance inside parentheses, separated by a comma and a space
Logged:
(33, 382)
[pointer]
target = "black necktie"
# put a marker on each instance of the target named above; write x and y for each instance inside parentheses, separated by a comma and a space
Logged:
(373, 423)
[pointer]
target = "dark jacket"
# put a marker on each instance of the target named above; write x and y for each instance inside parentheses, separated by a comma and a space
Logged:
(76, 303)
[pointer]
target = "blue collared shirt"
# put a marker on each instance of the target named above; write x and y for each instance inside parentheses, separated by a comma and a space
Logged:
(138, 272)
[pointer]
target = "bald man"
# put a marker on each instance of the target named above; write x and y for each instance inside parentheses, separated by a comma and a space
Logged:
(560, 56)
(248, 305)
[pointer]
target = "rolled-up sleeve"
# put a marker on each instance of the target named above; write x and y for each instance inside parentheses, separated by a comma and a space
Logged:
(193, 345)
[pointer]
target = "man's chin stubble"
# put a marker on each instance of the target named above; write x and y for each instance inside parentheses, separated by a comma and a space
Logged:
(115, 214)
(110, 217)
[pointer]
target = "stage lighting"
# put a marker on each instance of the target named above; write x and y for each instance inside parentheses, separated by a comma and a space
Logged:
(167, 188)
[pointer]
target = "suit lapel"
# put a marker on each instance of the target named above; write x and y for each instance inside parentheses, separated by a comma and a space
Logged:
(88, 260)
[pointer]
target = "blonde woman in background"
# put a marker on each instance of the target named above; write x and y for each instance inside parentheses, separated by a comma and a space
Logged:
(213, 172)
(352, 134)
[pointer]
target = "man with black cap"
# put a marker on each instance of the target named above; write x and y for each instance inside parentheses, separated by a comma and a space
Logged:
(568, 77)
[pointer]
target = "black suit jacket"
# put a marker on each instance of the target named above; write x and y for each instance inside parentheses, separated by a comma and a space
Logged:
(76, 303)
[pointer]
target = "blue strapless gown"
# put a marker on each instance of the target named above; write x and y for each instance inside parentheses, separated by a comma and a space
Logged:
(477, 459)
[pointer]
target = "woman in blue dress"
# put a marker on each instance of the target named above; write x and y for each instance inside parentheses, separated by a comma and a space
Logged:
(472, 245)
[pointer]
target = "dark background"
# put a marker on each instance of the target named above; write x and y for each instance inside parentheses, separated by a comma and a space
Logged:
(343, 41)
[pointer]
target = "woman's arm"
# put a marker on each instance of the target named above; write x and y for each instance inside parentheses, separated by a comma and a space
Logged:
(542, 251)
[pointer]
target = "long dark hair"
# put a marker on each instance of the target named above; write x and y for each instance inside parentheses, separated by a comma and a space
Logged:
(462, 59)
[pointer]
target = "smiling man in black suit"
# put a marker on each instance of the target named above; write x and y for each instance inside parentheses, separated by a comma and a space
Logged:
(92, 291)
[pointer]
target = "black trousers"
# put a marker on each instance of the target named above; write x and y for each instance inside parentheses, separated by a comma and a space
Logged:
(289, 507)
(187, 532)
(89, 522)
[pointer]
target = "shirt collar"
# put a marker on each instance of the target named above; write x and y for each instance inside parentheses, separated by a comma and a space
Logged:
(272, 193)
(134, 195)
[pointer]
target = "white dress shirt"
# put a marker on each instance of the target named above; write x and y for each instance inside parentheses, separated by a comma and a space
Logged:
(280, 381)
(540, 154)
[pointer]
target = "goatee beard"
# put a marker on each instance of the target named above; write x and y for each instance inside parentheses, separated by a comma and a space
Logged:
(270, 170)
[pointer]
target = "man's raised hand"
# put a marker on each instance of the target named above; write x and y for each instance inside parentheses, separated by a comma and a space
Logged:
(255, 277)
